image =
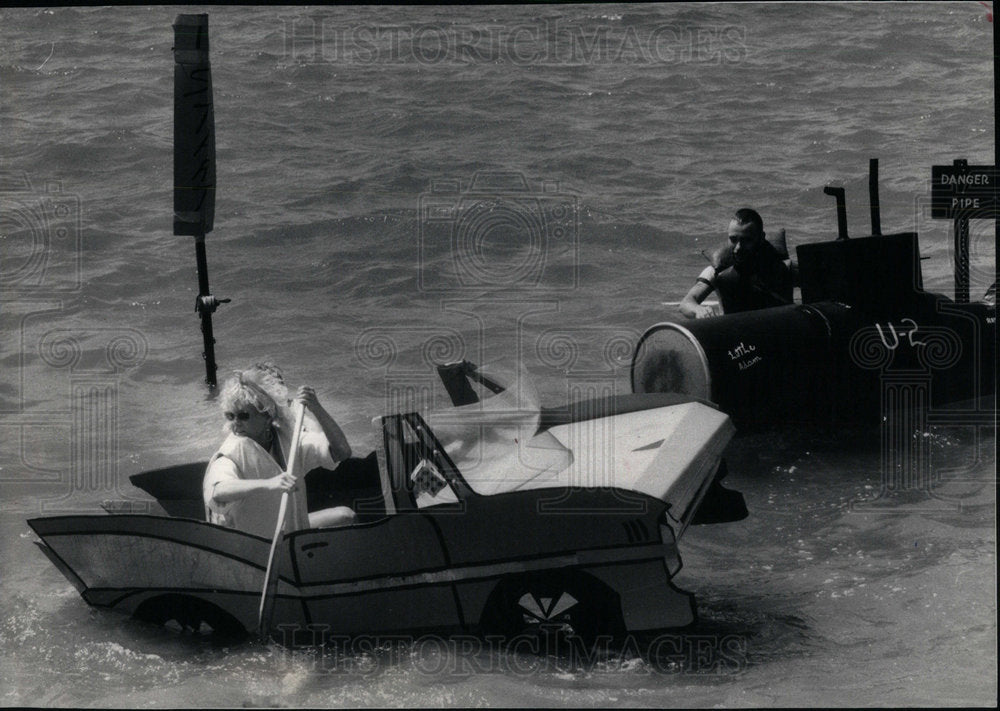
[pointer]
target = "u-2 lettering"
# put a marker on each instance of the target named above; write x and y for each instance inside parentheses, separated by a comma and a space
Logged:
(895, 335)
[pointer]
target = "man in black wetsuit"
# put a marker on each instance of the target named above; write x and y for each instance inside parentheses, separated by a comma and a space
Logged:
(749, 273)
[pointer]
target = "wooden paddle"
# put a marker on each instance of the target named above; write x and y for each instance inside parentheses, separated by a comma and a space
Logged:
(271, 581)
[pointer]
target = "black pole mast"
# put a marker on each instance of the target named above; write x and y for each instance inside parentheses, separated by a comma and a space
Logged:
(194, 161)
(996, 170)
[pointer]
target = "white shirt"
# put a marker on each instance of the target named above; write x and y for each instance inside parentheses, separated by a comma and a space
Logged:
(257, 513)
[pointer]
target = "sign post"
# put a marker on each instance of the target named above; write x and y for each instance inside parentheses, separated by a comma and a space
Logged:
(194, 161)
(963, 192)
(961, 227)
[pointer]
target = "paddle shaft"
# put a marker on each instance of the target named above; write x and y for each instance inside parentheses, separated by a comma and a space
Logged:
(270, 580)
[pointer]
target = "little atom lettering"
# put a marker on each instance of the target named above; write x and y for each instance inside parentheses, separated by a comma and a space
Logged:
(740, 351)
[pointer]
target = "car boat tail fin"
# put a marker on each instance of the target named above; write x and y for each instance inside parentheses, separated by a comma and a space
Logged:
(177, 489)
(458, 379)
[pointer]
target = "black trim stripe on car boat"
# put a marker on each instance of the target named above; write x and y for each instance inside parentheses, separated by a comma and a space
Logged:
(452, 576)
(407, 582)
(463, 573)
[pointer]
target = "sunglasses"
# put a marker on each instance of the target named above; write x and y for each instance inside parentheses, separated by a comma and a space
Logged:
(241, 416)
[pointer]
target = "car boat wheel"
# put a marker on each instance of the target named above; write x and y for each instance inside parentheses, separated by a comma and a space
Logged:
(185, 613)
(554, 608)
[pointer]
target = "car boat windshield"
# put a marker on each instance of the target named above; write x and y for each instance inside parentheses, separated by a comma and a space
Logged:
(495, 443)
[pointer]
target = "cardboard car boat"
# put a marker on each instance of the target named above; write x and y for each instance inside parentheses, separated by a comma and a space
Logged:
(485, 516)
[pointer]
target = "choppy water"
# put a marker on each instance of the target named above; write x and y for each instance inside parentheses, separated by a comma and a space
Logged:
(334, 126)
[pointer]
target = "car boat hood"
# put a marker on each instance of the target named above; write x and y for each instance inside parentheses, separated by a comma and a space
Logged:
(668, 448)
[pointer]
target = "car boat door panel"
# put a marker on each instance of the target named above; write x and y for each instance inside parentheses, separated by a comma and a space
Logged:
(388, 575)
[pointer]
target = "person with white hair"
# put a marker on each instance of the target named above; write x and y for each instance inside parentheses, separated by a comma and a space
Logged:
(246, 477)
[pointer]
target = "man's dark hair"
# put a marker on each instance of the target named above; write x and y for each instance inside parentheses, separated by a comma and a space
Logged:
(746, 216)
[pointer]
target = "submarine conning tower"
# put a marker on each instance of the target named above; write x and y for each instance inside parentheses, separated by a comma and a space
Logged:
(865, 339)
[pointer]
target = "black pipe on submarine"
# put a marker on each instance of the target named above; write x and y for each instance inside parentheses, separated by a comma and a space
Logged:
(840, 195)
(873, 196)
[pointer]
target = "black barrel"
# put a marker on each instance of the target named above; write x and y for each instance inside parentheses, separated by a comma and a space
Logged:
(827, 362)
(773, 367)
